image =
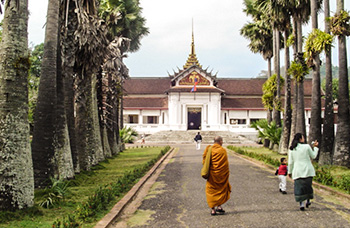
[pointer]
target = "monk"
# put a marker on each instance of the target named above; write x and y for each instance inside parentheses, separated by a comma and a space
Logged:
(218, 189)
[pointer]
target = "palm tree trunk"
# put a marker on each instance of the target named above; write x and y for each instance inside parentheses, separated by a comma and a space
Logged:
(269, 112)
(69, 48)
(83, 122)
(342, 142)
(119, 114)
(16, 169)
(112, 116)
(98, 148)
(295, 84)
(326, 154)
(102, 99)
(287, 102)
(300, 124)
(277, 99)
(50, 146)
(269, 67)
(315, 122)
(63, 154)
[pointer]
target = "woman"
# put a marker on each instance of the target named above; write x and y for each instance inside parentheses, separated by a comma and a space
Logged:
(301, 170)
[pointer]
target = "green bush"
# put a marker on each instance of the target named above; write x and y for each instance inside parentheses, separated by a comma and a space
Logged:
(268, 131)
(344, 183)
(261, 157)
(128, 134)
(54, 193)
(323, 175)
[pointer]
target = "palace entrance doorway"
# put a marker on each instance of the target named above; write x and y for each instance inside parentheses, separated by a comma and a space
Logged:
(194, 118)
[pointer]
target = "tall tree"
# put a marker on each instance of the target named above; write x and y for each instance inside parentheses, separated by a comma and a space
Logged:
(69, 46)
(273, 13)
(326, 154)
(315, 122)
(287, 117)
(91, 36)
(51, 145)
(294, 84)
(16, 169)
(342, 142)
(261, 36)
(300, 10)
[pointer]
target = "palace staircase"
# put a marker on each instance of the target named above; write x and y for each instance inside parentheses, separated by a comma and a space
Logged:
(187, 137)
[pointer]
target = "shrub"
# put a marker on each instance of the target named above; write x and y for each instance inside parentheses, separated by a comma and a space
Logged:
(344, 182)
(261, 157)
(323, 175)
(128, 134)
(268, 131)
(54, 193)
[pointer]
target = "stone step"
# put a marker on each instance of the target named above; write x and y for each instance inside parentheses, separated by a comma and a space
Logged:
(187, 137)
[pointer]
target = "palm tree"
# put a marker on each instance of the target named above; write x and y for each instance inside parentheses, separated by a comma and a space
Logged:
(261, 36)
(295, 86)
(69, 48)
(342, 142)
(51, 145)
(300, 10)
(273, 13)
(287, 118)
(91, 36)
(326, 154)
(315, 122)
(130, 25)
(16, 169)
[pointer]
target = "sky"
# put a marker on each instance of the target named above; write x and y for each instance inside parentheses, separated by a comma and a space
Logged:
(218, 43)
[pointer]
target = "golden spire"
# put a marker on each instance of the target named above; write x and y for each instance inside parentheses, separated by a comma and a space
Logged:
(192, 58)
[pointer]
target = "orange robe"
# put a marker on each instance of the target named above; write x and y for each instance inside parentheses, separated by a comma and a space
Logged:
(218, 189)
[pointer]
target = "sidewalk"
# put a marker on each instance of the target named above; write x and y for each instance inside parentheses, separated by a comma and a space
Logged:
(178, 199)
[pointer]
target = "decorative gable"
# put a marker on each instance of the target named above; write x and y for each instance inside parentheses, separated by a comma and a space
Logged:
(189, 79)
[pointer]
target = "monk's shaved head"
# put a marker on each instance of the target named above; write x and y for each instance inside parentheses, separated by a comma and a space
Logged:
(218, 139)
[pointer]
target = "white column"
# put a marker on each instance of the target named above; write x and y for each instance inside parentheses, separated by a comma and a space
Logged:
(140, 117)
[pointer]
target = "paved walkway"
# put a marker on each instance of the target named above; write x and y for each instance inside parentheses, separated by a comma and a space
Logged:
(178, 199)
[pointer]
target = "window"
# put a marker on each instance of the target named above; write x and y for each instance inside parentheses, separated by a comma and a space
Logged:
(133, 119)
(238, 121)
(254, 120)
(151, 119)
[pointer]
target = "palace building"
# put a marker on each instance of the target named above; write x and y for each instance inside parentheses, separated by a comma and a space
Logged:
(195, 99)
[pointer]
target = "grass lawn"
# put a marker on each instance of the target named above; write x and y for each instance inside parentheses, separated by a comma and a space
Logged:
(336, 177)
(80, 189)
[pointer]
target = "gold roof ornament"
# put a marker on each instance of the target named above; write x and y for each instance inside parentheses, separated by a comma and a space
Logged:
(192, 58)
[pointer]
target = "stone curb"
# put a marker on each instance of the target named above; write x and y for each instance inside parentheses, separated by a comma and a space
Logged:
(119, 207)
(272, 169)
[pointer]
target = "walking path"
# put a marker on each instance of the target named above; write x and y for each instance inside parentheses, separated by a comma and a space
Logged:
(177, 199)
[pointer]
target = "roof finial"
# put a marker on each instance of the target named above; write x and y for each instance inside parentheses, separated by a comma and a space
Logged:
(192, 45)
(192, 58)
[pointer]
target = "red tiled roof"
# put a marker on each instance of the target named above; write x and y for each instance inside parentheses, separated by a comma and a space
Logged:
(146, 85)
(252, 86)
(241, 103)
(145, 103)
(231, 86)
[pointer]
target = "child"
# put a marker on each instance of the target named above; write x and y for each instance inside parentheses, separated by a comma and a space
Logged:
(282, 172)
